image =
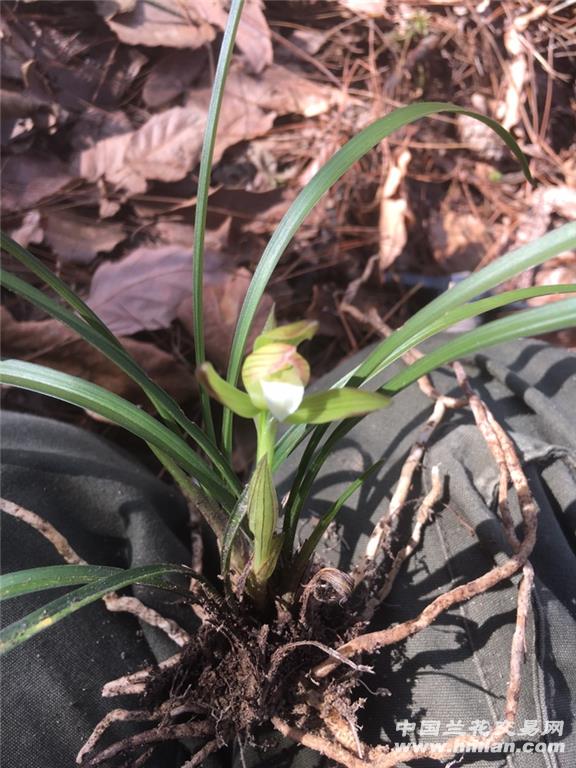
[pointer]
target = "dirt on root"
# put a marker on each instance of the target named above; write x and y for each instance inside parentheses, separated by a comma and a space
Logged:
(240, 671)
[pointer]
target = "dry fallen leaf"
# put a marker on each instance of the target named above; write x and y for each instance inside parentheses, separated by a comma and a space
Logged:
(172, 23)
(190, 24)
(516, 72)
(224, 294)
(168, 145)
(30, 230)
(393, 235)
(144, 290)
(48, 342)
(457, 239)
(30, 179)
(78, 240)
(372, 8)
(171, 75)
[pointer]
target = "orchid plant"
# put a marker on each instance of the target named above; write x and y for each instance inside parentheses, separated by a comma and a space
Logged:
(251, 529)
(275, 376)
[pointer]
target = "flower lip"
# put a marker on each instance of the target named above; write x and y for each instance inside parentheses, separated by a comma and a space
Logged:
(282, 398)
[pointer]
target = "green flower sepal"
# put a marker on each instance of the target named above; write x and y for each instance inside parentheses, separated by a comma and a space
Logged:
(275, 376)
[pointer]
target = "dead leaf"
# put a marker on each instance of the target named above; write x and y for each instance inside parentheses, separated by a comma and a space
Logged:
(48, 342)
(224, 294)
(106, 160)
(79, 240)
(284, 91)
(144, 290)
(457, 239)
(191, 24)
(544, 202)
(30, 230)
(516, 71)
(179, 233)
(173, 23)
(171, 75)
(28, 180)
(393, 234)
(374, 9)
(253, 37)
(168, 146)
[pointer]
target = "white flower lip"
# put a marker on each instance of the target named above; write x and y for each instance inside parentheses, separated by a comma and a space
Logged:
(282, 398)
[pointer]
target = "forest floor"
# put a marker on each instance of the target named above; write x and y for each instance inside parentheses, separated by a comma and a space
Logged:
(104, 106)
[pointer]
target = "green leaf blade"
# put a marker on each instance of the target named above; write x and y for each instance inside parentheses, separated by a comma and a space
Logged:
(114, 351)
(530, 322)
(356, 148)
(90, 396)
(37, 621)
(206, 158)
(32, 580)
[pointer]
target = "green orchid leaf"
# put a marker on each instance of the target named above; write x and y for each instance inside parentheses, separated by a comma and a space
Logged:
(37, 621)
(167, 407)
(447, 309)
(306, 200)
(85, 394)
(335, 404)
(51, 577)
(294, 333)
(262, 511)
(204, 174)
(529, 322)
(307, 549)
(232, 530)
(225, 393)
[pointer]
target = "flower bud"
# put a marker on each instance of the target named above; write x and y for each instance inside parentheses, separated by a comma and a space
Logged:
(274, 377)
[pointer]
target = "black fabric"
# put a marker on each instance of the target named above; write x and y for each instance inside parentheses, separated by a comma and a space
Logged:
(115, 513)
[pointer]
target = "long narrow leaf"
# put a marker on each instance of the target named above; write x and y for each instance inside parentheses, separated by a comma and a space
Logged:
(232, 530)
(204, 173)
(87, 395)
(35, 265)
(307, 549)
(529, 322)
(118, 355)
(561, 314)
(52, 576)
(435, 316)
(309, 197)
(17, 633)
